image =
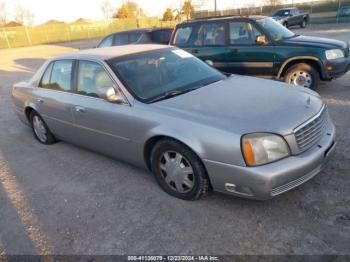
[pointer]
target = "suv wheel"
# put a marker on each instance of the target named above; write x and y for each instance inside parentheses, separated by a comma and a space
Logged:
(179, 171)
(303, 23)
(40, 130)
(303, 75)
(285, 24)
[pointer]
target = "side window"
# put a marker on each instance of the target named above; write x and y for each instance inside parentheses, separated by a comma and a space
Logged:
(133, 37)
(243, 33)
(182, 35)
(211, 34)
(107, 42)
(161, 36)
(61, 75)
(121, 39)
(92, 77)
(45, 80)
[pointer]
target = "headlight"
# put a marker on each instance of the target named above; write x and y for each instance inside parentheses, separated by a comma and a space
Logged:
(263, 148)
(334, 54)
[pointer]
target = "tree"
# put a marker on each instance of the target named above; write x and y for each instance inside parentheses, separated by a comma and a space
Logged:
(23, 16)
(168, 15)
(107, 9)
(3, 13)
(187, 9)
(129, 10)
(273, 2)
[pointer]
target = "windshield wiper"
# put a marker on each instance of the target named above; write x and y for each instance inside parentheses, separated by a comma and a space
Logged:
(172, 93)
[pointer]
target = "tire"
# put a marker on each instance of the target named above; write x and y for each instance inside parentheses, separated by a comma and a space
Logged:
(40, 130)
(285, 24)
(187, 171)
(303, 23)
(306, 73)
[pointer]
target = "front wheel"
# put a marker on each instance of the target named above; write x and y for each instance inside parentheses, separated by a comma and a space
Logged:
(303, 75)
(179, 171)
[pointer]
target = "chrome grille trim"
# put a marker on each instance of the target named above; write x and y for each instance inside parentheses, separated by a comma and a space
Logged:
(297, 182)
(307, 134)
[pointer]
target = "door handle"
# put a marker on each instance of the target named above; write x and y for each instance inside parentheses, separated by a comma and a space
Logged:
(40, 100)
(234, 50)
(80, 109)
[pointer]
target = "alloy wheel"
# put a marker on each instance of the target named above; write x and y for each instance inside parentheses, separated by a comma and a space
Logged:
(39, 129)
(301, 78)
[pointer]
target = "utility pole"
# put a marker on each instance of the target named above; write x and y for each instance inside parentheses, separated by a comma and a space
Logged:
(214, 7)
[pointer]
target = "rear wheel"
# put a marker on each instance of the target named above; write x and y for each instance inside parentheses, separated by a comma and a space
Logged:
(303, 23)
(303, 75)
(40, 130)
(179, 171)
(285, 24)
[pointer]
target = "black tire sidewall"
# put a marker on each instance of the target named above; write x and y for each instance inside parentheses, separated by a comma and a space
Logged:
(304, 67)
(49, 136)
(201, 181)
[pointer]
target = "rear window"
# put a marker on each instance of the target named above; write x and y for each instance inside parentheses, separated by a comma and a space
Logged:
(121, 39)
(182, 35)
(161, 36)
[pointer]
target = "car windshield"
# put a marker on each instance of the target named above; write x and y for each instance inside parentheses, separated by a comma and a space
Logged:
(282, 12)
(275, 29)
(160, 74)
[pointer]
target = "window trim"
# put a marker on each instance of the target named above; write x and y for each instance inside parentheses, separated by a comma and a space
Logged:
(71, 77)
(116, 86)
(226, 34)
(247, 22)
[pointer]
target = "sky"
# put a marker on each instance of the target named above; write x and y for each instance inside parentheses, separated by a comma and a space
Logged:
(70, 10)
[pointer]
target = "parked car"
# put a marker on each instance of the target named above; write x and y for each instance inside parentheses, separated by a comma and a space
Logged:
(161, 108)
(138, 36)
(291, 17)
(344, 11)
(260, 46)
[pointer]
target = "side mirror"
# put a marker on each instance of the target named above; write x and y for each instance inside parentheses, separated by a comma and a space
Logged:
(110, 95)
(261, 40)
(209, 62)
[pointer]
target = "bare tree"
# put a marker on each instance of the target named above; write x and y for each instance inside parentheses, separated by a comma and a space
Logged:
(3, 13)
(23, 16)
(107, 9)
(20, 13)
(29, 18)
(273, 2)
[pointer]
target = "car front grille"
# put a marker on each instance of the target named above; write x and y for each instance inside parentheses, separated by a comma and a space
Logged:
(310, 132)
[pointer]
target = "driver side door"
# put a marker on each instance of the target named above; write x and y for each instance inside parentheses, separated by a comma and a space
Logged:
(101, 125)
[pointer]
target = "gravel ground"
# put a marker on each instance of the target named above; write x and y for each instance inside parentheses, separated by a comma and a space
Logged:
(62, 199)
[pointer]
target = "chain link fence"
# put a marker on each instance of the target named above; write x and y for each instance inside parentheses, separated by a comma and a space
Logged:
(321, 12)
(11, 37)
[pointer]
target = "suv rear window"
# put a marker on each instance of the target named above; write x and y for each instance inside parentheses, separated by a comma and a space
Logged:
(182, 35)
(161, 36)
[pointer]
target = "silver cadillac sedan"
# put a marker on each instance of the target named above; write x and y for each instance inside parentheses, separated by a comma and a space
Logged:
(196, 129)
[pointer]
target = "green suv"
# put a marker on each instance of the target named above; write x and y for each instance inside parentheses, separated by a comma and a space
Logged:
(262, 47)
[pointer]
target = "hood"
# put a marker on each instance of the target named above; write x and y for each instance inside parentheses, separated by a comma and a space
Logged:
(315, 42)
(245, 104)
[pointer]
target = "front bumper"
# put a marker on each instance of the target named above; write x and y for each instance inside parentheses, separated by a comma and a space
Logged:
(267, 181)
(339, 67)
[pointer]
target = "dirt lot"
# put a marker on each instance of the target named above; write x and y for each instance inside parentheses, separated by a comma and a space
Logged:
(65, 200)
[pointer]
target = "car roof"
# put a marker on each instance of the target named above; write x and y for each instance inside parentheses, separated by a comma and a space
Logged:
(288, 8)
(141, 30)
(111, 52)
(218, 18)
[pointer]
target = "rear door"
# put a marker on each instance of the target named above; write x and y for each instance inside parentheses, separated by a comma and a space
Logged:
(54, 98)
(207, 41)
(245, 55)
